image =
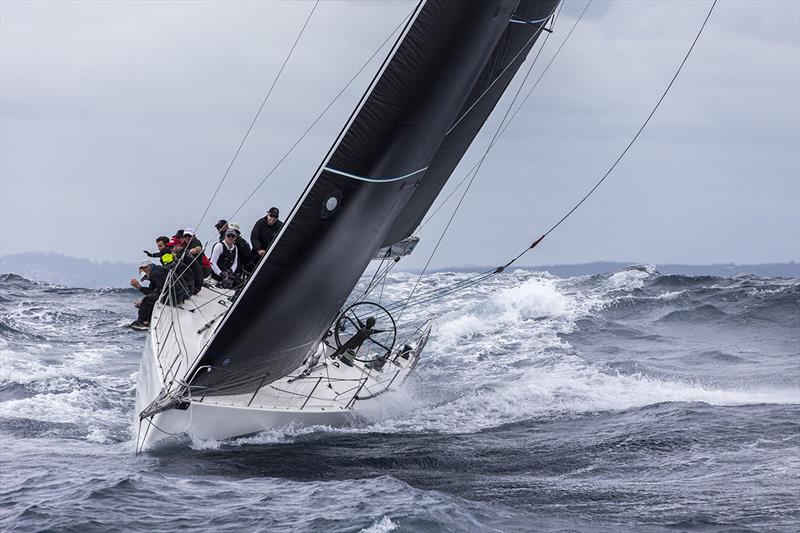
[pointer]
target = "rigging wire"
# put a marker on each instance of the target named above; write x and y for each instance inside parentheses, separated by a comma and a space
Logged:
(487, 274)
(319, 117)
(258, 113)
(170, 281)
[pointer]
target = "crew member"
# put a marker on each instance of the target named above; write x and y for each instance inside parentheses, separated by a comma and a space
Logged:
(264, 231)
(184, 273)
(224, 259)
(222, 227)
(243, 249)
(158, 277)
(195, 247)
(163, 245)
(347, 352)
(194, 281)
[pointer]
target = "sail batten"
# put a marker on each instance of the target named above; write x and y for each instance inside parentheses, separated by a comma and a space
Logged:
(375, 180)
(367, 190)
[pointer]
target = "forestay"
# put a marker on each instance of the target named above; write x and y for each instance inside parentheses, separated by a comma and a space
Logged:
(435, 89)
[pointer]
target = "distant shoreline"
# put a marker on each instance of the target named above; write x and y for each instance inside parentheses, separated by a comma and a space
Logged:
(767, 270)
(74, 272)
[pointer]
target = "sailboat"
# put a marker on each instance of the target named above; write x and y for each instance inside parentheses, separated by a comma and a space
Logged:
(296, 344)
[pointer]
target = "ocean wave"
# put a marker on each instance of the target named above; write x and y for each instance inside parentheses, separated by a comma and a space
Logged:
(15, 280)
(703, 314)
(567, 388)
(633, 277)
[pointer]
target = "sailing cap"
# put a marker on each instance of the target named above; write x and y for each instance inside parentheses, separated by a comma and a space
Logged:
(235, 227)
(230, 232)
(273, 211)
(144, 264)
(189, 231)
(221, 222)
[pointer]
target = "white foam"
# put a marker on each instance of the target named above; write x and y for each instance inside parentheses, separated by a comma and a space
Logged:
(458, 328)
(670, 295)
(568, 386)
(633, 278)
(55, 375)
(271, 436)
(535, 298)
(484, 337)
(98, 435)
(68, 389)
(77, 406)
(383, 525)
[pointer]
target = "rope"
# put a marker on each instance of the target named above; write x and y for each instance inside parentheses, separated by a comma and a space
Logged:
(441, 292)
(625, 151)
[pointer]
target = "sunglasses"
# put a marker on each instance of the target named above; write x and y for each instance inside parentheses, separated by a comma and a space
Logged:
(270, 215)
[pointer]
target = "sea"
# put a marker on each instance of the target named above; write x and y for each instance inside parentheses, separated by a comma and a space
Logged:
(624, 401)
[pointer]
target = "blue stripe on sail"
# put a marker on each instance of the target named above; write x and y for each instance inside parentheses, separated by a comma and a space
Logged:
(372, 180)
(518, 20)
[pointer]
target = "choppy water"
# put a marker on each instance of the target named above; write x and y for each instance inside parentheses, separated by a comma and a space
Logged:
(624, 401)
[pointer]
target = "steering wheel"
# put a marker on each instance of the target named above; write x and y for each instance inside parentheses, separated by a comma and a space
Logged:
(382, 337)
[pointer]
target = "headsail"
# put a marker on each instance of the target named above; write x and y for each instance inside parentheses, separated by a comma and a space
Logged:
(509, 54)
(358, 200)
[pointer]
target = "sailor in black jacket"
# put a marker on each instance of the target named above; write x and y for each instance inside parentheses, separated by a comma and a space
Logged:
(157, 275)
(264, 231)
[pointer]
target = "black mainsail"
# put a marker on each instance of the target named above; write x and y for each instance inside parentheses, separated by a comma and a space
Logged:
(431, 96)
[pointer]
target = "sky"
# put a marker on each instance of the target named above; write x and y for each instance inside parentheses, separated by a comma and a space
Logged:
(118, 120)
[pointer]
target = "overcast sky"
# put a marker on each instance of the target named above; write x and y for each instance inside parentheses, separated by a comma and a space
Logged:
(120, 118)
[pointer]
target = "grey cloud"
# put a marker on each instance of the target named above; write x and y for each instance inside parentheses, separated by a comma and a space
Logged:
(120, 118)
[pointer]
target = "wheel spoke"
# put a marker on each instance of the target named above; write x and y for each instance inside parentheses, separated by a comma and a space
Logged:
(349, 320)
(378, 343)
(360, 324)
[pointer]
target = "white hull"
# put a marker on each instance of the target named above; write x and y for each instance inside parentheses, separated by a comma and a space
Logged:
(327, 394)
